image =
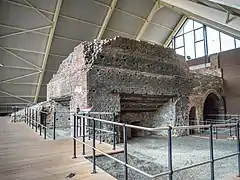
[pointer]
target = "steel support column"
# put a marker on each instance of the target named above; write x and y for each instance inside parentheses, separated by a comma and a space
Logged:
(49, 43)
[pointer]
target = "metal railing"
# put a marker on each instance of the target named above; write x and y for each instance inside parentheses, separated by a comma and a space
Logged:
(223, 130)
(31, 119)
(169, 130)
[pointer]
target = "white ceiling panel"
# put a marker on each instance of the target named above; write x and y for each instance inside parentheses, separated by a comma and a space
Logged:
(19, 90)
(27, 79)
(62, 47)
(27, 41)
(107, 2)
(6, 30)
(43, 91)
(165, 12)
(86, 10)
(140, 8)
(54, 62)
(47, 77)
(48, 5)
(120, 20)
(155, 33)
(27, 18)
(10, 59)
(8, 73)
(13, 100)
(75, 30)
(112, 34)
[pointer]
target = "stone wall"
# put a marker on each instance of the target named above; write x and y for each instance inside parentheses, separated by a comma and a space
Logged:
(98, 73)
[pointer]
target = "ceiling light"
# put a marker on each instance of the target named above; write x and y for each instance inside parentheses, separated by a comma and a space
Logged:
(1, 65)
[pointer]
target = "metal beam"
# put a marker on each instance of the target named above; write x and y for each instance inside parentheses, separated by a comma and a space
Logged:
(175, 31)
(12, 95)
(19, 67)
(5, 104)
(148, 20)
(22, 59)
(23, 50)
(23, 83)
(208, 16)
(39, 12)
(26, 6)
(229, 3)
(25, 31)
(22, 29)
(19, 77)
(49, 43)
(22, 96)
(107, 19)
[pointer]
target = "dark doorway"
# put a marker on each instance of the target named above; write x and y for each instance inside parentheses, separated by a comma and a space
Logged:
(192, 120)
(211, 109)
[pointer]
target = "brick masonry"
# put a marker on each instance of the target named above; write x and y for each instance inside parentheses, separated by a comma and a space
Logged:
(146, 84)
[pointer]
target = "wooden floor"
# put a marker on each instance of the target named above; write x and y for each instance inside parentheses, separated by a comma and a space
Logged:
(24, 155)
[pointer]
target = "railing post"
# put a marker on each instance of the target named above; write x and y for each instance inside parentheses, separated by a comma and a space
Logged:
(170, 168)
(216, 133)
(84, 132)
(80, 124)
(32, 118)
(77, 129)
(45, 132)
(89, 134)
(125, 151)
(230, 129)
(100, 131)
(40, 131)
(238, 148)
(114, 131)
(74, 137)
(54, 125)
(211, 152)
(36, 124)
(27, 114)
(25, 119)
(94, 145)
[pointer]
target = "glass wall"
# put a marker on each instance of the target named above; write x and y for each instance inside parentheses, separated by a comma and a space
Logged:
(197, 40)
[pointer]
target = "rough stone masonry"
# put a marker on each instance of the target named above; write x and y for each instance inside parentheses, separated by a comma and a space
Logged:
(145, 84)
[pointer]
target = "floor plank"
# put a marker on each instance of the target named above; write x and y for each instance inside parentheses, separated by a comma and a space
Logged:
(24, 155)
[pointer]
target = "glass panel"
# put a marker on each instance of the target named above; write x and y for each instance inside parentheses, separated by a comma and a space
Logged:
(180, 32)
(227, 42)
(199, 34)
(188, 26)
(197, 25)
(213, 41)
(237, 43)
(180, 51)
(189, 45)
(170, 45)
(179, 41)
(200, 49)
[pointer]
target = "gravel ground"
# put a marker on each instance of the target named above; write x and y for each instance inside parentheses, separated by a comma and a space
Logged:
(150, 155)
(60, 133)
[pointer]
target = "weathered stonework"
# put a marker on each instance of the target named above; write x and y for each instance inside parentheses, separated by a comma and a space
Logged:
(147, 85)
(133, 78)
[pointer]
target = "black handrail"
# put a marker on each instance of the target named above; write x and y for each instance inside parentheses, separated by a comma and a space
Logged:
(170, 129)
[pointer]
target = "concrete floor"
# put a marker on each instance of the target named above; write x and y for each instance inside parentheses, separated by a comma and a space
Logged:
(150, 155)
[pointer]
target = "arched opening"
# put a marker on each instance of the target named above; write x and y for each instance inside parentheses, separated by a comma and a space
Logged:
(212, 108)
(192, 120)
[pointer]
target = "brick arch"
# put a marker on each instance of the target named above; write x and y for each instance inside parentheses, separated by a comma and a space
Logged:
(212, 103)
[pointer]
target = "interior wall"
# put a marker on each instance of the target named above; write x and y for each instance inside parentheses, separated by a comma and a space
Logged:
(230, 63)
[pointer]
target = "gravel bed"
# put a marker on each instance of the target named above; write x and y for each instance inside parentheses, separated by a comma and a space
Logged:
(150, 155)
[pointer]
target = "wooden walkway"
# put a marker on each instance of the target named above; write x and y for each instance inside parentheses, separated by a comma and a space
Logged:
(26, 156)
